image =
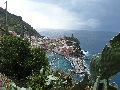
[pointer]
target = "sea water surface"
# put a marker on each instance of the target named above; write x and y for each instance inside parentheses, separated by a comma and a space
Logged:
(89, 40)
(59, 62)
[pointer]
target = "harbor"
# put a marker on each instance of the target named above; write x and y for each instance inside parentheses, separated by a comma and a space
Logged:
(79, 67)
(68, 65)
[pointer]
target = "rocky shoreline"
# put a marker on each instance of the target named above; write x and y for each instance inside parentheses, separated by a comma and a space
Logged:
(76, 62)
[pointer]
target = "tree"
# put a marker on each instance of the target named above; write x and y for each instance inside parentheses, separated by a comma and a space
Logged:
(38, 60)
(14, 52)
(19, 61)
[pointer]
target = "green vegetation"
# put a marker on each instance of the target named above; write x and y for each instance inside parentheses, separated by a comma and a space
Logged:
(72, 41)
(14, 52)
(102, 67)
(106, 64)
(85, 84)
(29, 67)
(95, 67)
(26, 66)
(37, 60)
(38, 82)
(62, 82)
(15, 23)
(111, 58)
(18, 60)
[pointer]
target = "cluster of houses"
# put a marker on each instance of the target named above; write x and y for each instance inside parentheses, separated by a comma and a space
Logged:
(50, 45)
(55, 45)
(59, 46)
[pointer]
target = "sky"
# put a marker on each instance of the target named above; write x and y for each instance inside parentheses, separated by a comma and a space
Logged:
(68, 14)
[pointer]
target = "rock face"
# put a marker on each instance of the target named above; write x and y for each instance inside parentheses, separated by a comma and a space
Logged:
(72, 41)
(107, 64)
(15, 23)
(110, 59)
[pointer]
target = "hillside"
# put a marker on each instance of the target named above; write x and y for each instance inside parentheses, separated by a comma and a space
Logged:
(15, 23)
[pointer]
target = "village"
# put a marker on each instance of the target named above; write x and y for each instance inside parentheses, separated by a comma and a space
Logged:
(58, 46)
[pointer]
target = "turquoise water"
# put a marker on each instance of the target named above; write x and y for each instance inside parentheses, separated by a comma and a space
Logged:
(58, 62)
(89, 40)
(116, 79)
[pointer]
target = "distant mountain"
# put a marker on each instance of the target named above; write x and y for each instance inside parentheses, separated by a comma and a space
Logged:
(92, 41)
(15, 23)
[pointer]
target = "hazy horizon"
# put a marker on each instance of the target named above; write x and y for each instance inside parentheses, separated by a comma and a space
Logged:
(64, 30)
(61, 14)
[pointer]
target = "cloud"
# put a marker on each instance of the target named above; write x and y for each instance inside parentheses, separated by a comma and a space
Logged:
(72, 14)
(62, 12)
(104, 13)
(42, 15)
(51, 16)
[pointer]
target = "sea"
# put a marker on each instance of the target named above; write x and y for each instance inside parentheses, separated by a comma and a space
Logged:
(91, 41)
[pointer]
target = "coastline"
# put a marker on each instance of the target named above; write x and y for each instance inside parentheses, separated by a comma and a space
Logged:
(76, 62)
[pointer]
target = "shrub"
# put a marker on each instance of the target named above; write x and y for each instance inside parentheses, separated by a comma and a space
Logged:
(18, 60)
